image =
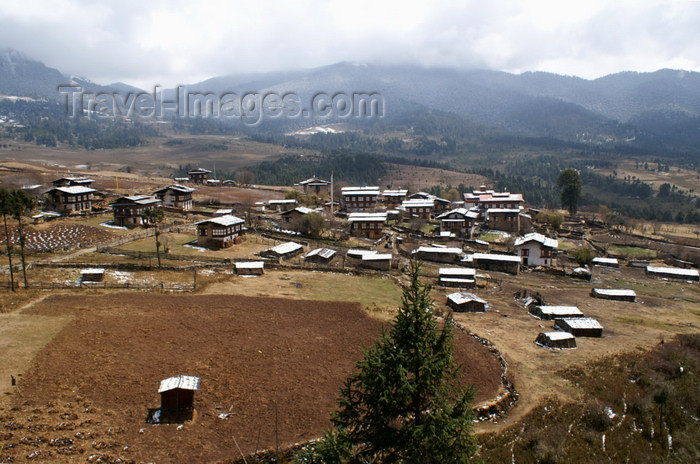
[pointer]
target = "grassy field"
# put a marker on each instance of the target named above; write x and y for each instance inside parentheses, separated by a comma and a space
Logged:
(417, 178)
(685, 179)
(631, 252)
(379, 295)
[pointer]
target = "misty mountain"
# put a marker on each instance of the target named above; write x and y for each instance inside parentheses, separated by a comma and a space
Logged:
(660, 109)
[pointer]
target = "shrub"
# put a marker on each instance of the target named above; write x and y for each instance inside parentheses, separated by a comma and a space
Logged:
(583, 255)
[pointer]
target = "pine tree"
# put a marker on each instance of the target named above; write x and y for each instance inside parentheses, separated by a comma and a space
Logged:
(571, 184)
(403, 404)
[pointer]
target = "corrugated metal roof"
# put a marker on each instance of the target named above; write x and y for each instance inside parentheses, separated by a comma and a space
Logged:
(360, 191)
(561, 310)
(614, 292)
(494, 257)
(249, 265)
(545, 241)
(441, 250)
(376, 257)
(558, 335)
(379, 217)
(225, 221)
(582, 323)
(463, 297)
(185, 382)
(73, 190)
(605, 261)
(673, 271)
(457, 271)
(286, 248)
(93, 270)
(176, 187)
(325, 253)
(418, 203)
(357, 253)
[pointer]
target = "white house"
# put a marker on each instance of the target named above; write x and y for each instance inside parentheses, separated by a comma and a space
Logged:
(536, 249)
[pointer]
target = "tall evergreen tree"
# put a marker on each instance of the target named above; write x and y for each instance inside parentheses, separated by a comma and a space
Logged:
(404, 403)
(571, 184)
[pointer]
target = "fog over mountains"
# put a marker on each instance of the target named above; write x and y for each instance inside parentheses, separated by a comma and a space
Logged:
(663, 103)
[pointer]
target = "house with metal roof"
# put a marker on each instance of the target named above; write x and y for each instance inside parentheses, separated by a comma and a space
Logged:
(536, 250)
(69, 200)
(128, 211)
(368, 225)
(219, 232)
(316, 186)
(175, 196)
(380, 261)
(394, 197)
(72, 181)
(355, 199)
(198, 176)
(458, 221)
(418, 208)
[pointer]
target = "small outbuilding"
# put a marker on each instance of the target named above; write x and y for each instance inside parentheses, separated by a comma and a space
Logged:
(673, 273)
(249, 268)
(606, 262)
(509, 264)
(92, 275)
(580, 326)
(379, 261)
(459, 277)
(466, 302)
(614, 294)
(320, 256)
(556, 340)
(284, 250)
(438, 254)
(553, 312)
(177, 397)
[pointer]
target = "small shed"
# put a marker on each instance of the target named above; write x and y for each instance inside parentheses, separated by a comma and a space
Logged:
(614, 294)
(556, 340)
(553, 312)
(673, 273)
(249, 268)
(459, 277)
(284, 251)
(439, 254)
(92, 275)
(320, 256)
(606, 262)
(580, 326)
(466, 302)
(177, 396)
(495, 262)
(380, 261)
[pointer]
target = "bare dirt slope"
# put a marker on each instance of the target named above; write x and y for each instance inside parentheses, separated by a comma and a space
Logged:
(89, 389)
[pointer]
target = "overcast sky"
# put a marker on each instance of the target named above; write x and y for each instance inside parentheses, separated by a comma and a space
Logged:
(174, 42)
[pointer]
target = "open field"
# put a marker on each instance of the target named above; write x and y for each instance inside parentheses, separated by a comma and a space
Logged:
(156, 159)
(89, 389)
(685, 179)
(417, 178)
